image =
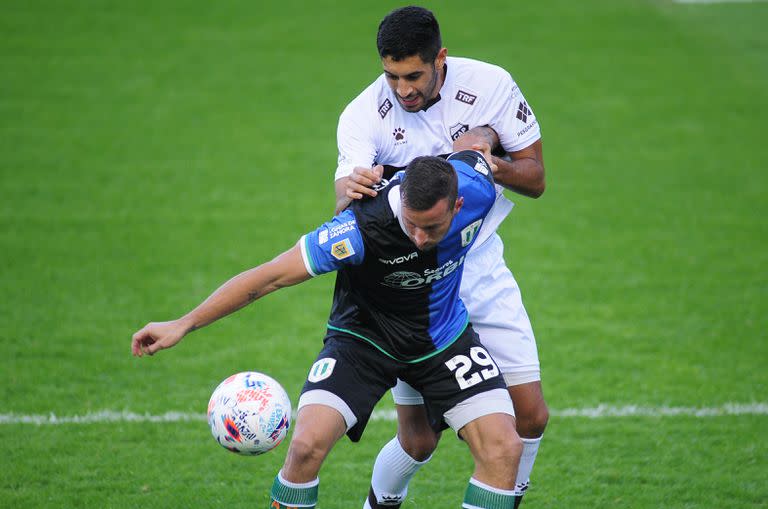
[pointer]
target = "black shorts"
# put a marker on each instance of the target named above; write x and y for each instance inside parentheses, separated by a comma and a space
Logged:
(358, 374)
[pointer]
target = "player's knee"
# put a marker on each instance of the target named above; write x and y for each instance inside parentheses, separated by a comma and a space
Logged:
(533, 423)
(305, 452)
(419, 445)
(501, 453)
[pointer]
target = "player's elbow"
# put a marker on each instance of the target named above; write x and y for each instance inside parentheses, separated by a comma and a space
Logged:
(538, 185)
(538, 189)
(530, 189)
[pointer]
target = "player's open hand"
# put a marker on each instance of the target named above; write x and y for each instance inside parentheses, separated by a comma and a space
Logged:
(157, 336)
(360, 183)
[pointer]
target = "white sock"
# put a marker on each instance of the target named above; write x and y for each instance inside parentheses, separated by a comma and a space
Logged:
(530, 449)
(392, 472)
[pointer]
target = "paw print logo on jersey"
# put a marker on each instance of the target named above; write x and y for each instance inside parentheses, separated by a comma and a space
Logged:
(523, 111)
(399, 135)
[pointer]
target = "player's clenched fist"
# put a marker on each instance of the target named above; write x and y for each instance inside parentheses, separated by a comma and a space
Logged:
(157, 336)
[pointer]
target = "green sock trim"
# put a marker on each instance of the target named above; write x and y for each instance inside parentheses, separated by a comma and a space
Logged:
(297, 497)
(479, 497)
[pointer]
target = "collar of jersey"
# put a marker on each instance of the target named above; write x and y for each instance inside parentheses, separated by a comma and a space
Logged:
(395, 204)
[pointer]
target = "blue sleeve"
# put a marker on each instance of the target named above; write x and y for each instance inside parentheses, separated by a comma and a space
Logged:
(475, 160)
(335, 244)
(475, 180)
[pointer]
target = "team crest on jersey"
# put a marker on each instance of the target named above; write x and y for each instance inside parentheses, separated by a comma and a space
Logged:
(384, 108)
(468, 233)
(342, 249)
(466, 97)
(457, 130)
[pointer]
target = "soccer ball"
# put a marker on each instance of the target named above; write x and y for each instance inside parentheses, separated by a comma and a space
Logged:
(249, 413)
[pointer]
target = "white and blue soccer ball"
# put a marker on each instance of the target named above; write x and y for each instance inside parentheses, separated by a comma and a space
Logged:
(249, 413)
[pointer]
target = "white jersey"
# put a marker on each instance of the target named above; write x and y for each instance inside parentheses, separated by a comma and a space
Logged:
(375, 129)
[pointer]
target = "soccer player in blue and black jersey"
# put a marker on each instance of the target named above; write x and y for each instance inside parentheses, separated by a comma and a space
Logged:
(396, 314)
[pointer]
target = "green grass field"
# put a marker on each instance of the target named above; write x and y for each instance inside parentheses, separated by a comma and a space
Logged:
(150, 150)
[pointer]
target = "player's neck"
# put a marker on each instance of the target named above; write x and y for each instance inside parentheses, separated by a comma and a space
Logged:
(441, 74)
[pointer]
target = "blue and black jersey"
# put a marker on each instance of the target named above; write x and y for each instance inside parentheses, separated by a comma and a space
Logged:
(403, 301)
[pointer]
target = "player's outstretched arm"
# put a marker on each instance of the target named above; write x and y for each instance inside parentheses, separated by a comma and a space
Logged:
(286, 269)
(357, 185)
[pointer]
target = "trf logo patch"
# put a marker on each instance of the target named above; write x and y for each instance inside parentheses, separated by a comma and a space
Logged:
(342, 249)
(384, 108)
(468, 233)
(466, 97)
(321, 369)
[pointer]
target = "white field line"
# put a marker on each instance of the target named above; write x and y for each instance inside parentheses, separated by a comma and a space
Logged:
(598, 412)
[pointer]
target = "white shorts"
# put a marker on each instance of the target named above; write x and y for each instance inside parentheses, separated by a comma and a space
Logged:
(496, 310)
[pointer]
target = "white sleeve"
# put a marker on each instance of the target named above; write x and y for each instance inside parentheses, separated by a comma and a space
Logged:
(355, 139)
(513, 119)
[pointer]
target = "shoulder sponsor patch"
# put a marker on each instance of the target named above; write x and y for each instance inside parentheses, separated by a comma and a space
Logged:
(468, 233)
(466, 97)
(523, 111)
(322, 237)
(342, 249)
(526, 128)
(482, 167)
(341, 229)
(384, 108)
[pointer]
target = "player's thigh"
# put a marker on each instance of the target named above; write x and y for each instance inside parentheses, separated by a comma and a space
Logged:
(412, 420)
(414, 430)
(349, 376)
(530, 409)
(319, 425)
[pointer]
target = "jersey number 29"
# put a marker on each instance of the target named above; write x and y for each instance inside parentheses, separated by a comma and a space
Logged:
(461, 364)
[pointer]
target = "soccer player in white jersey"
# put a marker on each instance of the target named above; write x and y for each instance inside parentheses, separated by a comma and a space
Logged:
(427, 103)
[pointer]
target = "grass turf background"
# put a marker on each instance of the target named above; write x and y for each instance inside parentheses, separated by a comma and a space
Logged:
(150, 151)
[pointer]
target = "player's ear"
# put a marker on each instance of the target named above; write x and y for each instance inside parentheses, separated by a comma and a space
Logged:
(440, 59)
(458, 205)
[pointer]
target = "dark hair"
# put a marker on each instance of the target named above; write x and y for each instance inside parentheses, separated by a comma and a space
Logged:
(429, 179)
(409, 31)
